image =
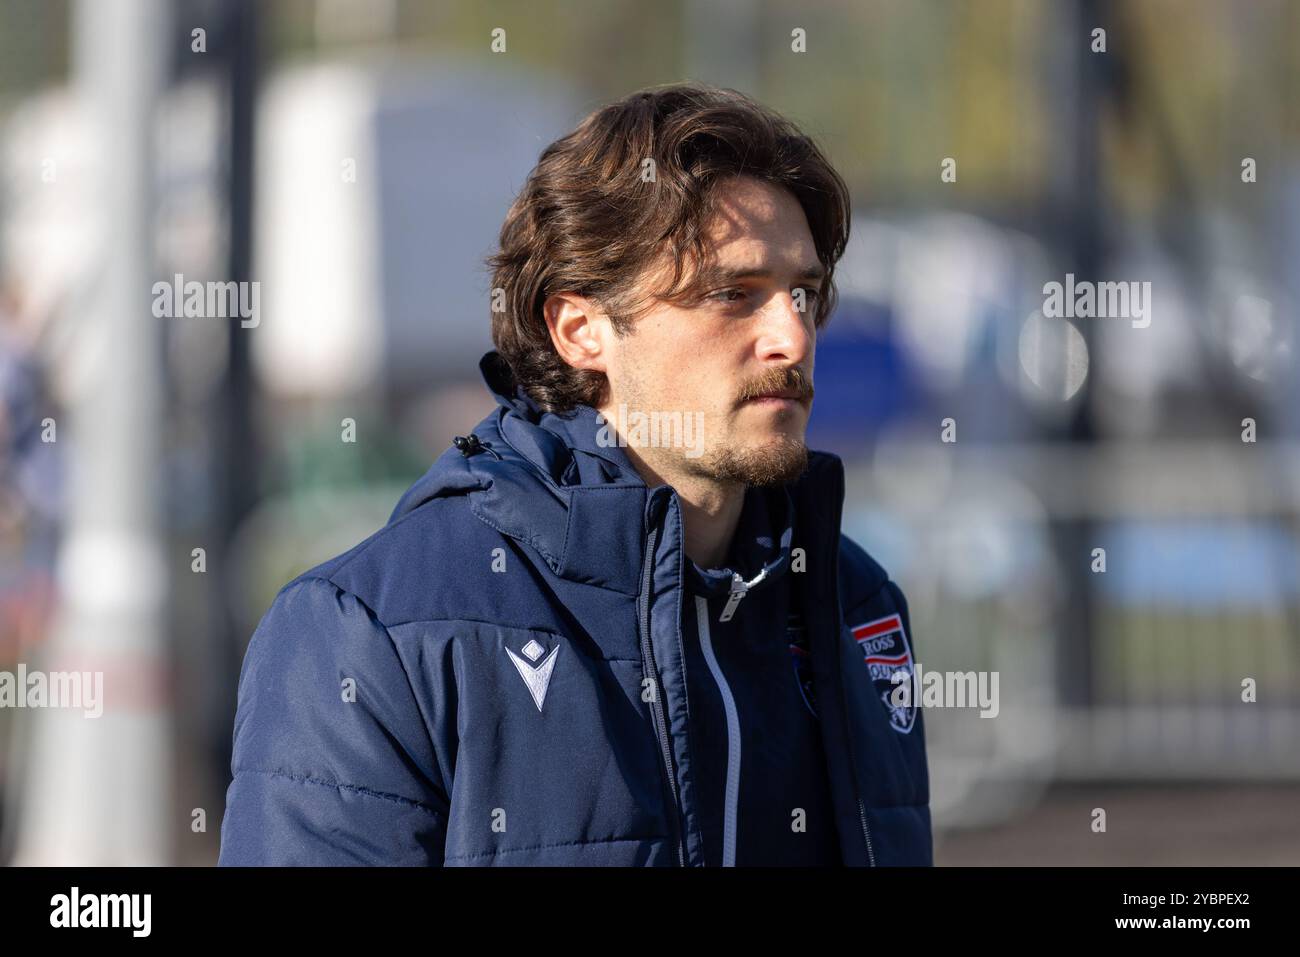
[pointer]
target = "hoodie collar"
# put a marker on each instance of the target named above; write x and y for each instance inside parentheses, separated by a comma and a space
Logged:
(578, 430)
(544, 480)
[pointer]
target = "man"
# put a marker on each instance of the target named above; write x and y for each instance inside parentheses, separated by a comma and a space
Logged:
(617, 624)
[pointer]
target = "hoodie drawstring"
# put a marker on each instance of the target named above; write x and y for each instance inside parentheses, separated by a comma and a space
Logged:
(472, 445)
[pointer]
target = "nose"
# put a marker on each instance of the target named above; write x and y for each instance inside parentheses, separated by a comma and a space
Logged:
(785, 334)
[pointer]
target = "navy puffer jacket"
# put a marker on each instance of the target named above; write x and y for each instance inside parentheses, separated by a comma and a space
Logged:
(382, 718)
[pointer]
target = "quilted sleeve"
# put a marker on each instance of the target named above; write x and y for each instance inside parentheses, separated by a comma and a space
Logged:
(333, 763)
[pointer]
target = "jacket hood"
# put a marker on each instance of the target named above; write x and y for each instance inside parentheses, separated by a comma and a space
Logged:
(549, 480)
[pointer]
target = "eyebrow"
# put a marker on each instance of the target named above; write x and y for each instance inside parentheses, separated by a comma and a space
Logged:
(813, 273)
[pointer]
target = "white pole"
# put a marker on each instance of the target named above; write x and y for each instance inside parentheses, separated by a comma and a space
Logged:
(97, 789)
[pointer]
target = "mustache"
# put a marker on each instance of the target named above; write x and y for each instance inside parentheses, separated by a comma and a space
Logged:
(790, 378)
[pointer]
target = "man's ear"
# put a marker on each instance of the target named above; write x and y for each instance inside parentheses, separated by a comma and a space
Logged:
(580, 330)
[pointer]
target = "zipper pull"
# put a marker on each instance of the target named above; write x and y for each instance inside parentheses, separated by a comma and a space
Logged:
(738, 590)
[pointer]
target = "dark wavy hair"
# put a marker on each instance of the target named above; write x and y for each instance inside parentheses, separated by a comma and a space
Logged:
(590, 220)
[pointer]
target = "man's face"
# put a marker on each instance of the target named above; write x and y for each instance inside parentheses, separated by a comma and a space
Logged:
(738, 364)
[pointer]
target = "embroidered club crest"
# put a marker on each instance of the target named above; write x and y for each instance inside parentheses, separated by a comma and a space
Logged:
(886, 652)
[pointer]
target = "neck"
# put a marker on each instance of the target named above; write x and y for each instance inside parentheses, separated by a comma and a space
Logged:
(710, 510)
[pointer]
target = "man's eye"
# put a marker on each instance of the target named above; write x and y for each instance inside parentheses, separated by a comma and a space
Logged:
(722, 294)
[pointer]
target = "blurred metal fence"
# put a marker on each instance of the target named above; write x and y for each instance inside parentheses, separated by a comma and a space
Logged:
(1200, 592)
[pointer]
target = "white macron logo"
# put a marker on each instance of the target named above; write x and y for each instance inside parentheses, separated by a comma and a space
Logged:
(537, 677)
